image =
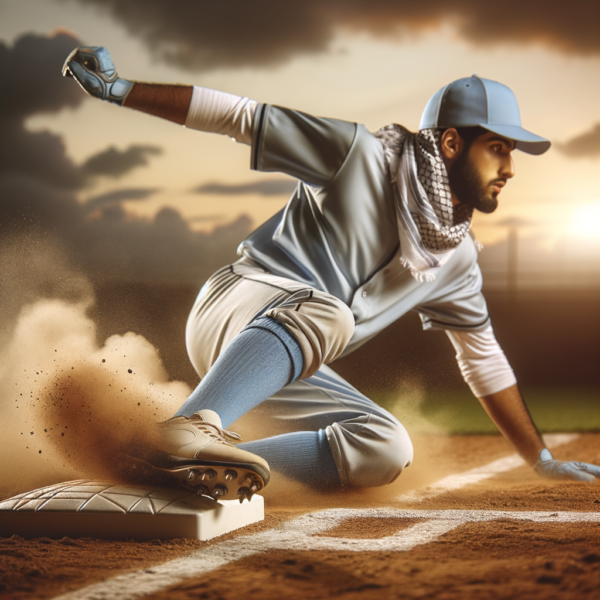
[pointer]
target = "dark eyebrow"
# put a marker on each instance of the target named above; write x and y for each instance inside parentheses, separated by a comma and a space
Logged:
(511, 143)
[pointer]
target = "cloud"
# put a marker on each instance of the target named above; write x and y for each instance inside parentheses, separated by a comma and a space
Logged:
(31, 83)
(206, 218)
(586, 145)
(116, 163)
(265, 187)
(113, 245)
(37, 154)
(201, 36)
(118, 196)
(31, 76)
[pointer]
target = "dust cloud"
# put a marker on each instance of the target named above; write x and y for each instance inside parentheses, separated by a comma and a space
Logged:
(70, 406)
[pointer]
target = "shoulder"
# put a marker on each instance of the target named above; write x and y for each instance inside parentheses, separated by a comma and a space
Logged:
(279, 119)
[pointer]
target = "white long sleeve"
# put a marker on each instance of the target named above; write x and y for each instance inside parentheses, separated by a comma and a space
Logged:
(482, 362)
(219, 112)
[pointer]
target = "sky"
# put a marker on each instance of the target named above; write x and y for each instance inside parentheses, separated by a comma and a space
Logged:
(128, 196)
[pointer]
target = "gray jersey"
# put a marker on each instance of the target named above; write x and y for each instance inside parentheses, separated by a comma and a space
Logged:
(338, 232)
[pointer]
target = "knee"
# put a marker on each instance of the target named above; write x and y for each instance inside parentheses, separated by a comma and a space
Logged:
(370, 450)
(321, 324)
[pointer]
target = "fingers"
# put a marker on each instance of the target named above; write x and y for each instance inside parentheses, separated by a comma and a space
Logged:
(591, 469)
(66, 72)
(568, 471)
(94, 58)
(86, 79)
(102, 60)
(573, 471)
(577, 474)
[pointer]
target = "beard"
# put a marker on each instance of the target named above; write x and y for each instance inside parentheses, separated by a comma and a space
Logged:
(468, 186)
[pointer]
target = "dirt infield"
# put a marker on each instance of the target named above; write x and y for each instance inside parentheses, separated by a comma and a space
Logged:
(509, 535)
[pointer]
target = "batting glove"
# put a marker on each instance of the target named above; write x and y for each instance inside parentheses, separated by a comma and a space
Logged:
(549, 468)
(93, 69)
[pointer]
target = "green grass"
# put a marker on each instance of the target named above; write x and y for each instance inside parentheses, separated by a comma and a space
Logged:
(458, 412)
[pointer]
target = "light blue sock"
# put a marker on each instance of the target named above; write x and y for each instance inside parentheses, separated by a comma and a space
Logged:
(301, 455)
(261, 360)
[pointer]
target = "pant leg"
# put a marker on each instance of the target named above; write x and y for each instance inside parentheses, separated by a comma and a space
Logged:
(369, 445)
(239, 293)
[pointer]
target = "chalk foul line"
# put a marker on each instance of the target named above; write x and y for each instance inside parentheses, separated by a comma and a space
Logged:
(497, 467)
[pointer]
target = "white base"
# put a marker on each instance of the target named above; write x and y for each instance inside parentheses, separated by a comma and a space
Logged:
(111, 511)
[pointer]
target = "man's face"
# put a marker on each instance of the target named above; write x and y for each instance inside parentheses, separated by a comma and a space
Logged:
(478, 176)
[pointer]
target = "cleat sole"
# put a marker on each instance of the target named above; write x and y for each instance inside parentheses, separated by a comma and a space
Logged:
(251, 472)
(166, 470)
(217, 487)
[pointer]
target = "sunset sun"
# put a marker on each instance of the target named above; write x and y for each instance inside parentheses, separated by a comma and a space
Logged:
(586, 221)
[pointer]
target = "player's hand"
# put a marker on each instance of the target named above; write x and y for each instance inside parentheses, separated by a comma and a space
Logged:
(93, 69)
(549, 468)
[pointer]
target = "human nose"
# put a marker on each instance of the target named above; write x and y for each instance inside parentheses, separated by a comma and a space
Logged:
(508, 168)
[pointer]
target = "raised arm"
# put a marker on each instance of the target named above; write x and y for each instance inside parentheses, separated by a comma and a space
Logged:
(488, 373)
(195, 107)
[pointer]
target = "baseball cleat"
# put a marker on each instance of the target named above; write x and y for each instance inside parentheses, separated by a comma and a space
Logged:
(197, 454)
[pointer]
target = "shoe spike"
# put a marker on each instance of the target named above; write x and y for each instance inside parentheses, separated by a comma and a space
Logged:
(208, 474)
(193, 474)
(203, 491)
(244, 492)
(219, 491)
(230, 475)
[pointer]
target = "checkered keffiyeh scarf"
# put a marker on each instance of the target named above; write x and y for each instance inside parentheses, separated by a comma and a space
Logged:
(430, 228)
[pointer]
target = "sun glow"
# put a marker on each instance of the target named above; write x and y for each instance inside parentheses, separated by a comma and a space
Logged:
(586, 221)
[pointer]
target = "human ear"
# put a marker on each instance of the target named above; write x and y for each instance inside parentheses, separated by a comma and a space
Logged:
(451, 144)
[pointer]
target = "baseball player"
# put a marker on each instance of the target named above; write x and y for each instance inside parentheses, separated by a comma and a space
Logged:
(378, 225)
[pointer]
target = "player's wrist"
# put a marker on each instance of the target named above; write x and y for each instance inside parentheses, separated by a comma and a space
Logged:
(118, 91)
(541, 466)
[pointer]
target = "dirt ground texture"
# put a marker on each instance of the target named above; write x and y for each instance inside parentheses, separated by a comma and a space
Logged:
(504, 558)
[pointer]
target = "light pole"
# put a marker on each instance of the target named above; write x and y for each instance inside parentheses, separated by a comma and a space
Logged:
(513, 224)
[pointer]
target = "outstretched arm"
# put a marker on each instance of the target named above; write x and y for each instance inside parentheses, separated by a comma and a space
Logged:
(195, 107)
(491, 379)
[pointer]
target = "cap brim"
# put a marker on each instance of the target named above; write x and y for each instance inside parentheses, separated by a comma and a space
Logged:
(524, 140)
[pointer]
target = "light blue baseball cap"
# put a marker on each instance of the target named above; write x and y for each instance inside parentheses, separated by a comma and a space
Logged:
(474, 101)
